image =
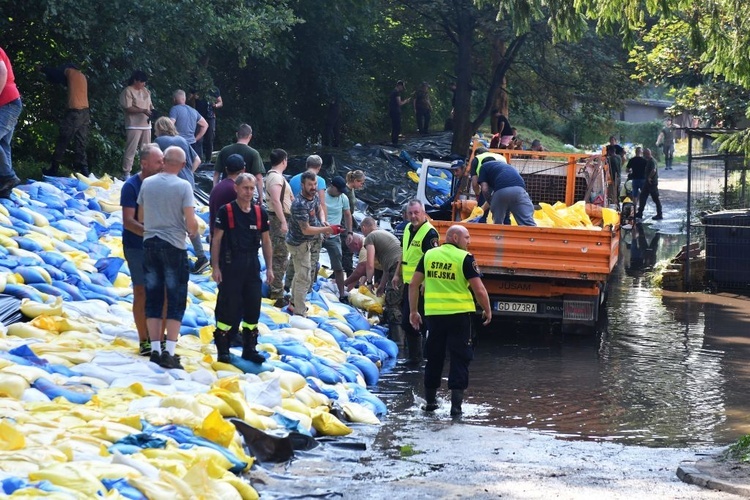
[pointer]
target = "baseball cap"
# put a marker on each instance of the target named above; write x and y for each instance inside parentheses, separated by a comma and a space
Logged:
(339, 183)
(234, 163)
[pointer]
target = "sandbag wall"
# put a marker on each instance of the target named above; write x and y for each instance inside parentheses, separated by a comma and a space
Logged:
(82, 415)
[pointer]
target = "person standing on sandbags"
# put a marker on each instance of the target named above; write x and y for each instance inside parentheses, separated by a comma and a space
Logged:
(168, 215)
(240, 229)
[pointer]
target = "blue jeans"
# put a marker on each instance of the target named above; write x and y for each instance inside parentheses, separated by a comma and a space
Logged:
(166, 276)
(8, 118)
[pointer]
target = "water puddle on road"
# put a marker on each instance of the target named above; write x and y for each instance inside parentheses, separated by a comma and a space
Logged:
(670, 370)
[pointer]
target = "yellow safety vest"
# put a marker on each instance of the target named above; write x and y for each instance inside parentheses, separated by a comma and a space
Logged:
(446, 289)
(412, 252)
(488, 157)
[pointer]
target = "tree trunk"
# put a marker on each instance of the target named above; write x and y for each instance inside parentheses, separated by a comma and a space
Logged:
(501, 97)
(462, 125)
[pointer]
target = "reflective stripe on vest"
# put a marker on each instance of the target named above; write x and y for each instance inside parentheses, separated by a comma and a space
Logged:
(446, 289)
(488, 157)
(411, 253)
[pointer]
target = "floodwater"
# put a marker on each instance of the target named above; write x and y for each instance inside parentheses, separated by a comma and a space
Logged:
(668, 369)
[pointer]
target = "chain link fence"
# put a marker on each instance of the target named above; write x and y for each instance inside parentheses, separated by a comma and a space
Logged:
(718, 219)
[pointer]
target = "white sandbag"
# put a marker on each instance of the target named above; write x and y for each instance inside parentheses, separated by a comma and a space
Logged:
(32, 395)
(302, 323)
(266, 393)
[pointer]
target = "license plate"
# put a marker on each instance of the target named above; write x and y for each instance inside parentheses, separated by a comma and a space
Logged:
(516, 307)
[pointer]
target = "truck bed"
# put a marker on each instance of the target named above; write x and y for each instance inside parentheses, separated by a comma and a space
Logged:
(577, 254)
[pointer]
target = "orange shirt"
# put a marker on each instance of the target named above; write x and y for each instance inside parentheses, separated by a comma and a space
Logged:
(78, 94)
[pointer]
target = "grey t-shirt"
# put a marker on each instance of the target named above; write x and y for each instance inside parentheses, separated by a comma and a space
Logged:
(303, 210)
(387, 248)
(162, 199)
(185, 120)
(165, 141)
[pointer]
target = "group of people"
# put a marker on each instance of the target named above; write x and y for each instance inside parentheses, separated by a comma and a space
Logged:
(189, 123)
(422, 109)
(427, 287)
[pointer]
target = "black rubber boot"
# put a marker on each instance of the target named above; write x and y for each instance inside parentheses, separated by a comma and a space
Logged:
(221, 339)
(457, 398)
(414, 347)
(234, 338)
(396, 334)
(430, 399)
(249, 344)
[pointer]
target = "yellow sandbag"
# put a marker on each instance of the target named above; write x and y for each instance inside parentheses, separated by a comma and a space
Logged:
(475, 212)
(27, 331)
(295, 405)
(610, 216)
(363, 298)
(580, 210)
(310, 398)
(104, 470)
(186, 402)
(359, 414)
(217, 403)
(42, 239)
(29, 373)
(328, 425)
(235, 402)
(10, 437)
(39, 219)
(69, 475)
(167, 487)
(216, 429)
(122, 281)
(204, 487)
(8, 242)
(342, 327)
(552, 214)
(32, 309)
(246, 491)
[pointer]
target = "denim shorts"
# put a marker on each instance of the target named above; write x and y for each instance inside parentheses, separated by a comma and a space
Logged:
(166, 276)
(134, 257)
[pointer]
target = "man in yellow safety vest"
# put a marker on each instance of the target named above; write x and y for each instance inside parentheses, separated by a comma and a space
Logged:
(450, 275)
(419, 236)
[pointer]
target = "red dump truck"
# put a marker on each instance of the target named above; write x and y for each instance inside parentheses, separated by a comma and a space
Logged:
(554, 274)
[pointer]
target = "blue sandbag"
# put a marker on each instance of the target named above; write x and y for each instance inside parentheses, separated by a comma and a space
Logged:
(54, 272)
(323, 324)
(109, 267)
(326, 373)
(329, 392)
(20, 214)
(386, 345)
(369, 370)
(301, 366)
(52, 391)
(124, 488)
(53, 258)
(23, 292)
(346, 373)
(189, 330)
(10, 262)
(71, 290)
(51, 290)
(4, 251)
(275, 363)
(91, 295)
(248, 366)
(356, 321)
(27, 244)
(292, 348)
(94, 205)
(31, 274)
(359, 394)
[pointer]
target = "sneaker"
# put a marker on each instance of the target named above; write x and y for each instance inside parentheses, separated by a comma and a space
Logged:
(344, 299)
(168, 361)
(657, 217)
(281, 302)
(145, 348)
(200, 265)
(155, 357)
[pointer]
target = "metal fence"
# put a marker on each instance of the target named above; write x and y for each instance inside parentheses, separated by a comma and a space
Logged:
(718, 219)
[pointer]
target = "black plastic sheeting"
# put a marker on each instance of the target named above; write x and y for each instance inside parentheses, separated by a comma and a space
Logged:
(387, 187)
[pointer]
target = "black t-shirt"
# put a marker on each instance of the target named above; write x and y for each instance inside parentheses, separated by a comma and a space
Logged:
(246, 235)
(506, 129)
(430, 240)
(469, 267)
(394, 108)
(615, 150)
(637, 165)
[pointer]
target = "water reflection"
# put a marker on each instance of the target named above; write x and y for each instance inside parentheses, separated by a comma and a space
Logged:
(670, 369)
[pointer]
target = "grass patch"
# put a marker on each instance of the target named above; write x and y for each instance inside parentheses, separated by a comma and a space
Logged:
(408, 450)
(527, 135)
(740, 450)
